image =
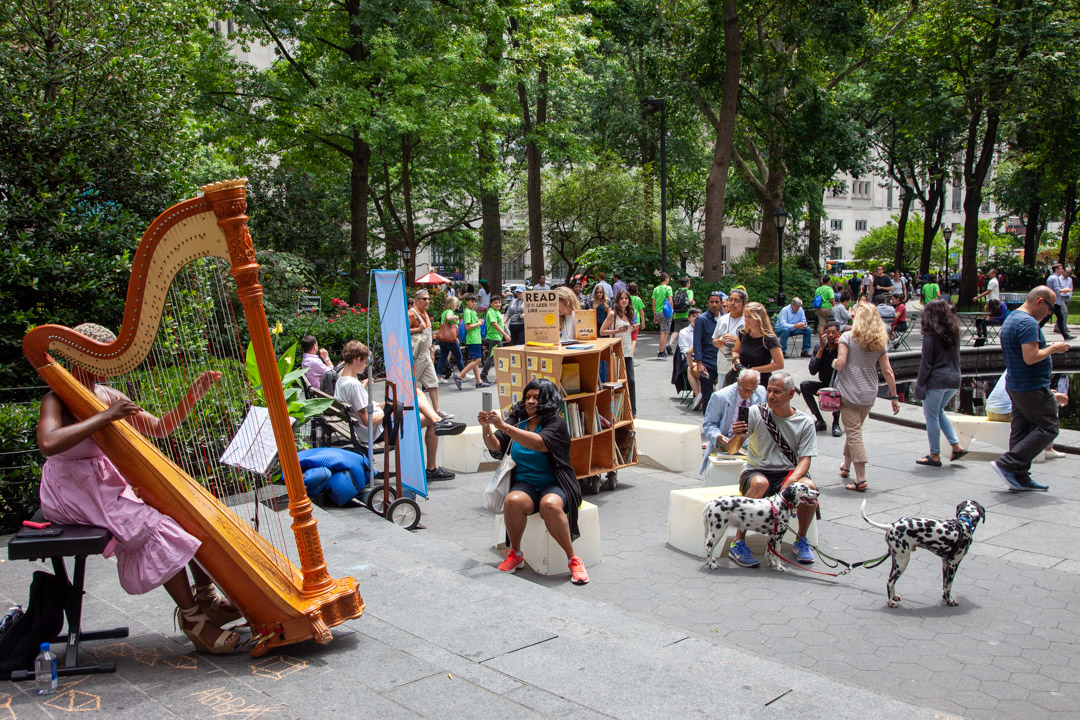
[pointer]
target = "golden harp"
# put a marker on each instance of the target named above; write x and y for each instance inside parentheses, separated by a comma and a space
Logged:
(282, 603)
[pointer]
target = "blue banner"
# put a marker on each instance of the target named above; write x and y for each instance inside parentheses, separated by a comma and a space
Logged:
(397, 355)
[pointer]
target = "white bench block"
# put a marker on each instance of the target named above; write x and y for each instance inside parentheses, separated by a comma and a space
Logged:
(669, 446)
(991, 432)
(724, 470)
(465, 453)
(686, 529)
(543, 555)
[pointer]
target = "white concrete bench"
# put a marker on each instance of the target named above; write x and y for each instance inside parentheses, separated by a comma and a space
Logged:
(466, 453)
(543, 555)
(686, 529)
(991, 432)
(669, 446)
(724, 470)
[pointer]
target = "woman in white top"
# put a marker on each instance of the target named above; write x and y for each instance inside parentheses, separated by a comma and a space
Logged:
(568, 303)
(861, 351)
(620, 323)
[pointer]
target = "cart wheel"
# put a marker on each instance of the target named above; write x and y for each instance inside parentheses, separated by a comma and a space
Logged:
(611, 480)
(404, 512)
(590, 485)
(379, 499)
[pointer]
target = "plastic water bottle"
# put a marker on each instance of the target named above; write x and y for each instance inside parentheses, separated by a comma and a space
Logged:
(45, 671)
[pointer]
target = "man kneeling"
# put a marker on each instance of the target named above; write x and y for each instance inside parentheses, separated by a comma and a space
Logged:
(780, 442)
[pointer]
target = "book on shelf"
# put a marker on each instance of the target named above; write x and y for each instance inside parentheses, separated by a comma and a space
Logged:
(571, 378)
(601, 421)
(624, 446)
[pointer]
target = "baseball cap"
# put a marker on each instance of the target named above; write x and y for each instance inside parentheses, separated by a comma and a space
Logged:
(519, 288)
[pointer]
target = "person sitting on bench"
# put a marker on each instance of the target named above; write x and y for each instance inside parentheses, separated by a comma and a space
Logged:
(81, 486)
(996, 311)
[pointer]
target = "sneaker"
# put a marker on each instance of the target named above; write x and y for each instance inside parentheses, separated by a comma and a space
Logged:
(482, 384)
(449, 427)
(1010, 478)
(697, 403)
(457, 381)
(1032, 485)
(741, 555)
(440, 473)
(662, 355)
(803, 552)
(1052, 453)
(513, 561)
(804, 353)
(837, 431)
(578, 576)
(819, 426)
(445, 415)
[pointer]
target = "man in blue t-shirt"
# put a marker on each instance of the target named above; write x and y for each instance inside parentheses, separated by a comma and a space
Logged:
(1034, 409)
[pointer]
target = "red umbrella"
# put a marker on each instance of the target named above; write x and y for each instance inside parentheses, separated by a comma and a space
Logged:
(432, 278)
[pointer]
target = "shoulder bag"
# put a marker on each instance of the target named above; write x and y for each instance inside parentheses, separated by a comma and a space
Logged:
(499, 486)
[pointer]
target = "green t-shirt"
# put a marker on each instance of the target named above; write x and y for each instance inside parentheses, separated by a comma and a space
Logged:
(930, 292)
(658, 294)
(638, 304)
(472, 337)
(827, 296)
(689, 299)
(494, 316)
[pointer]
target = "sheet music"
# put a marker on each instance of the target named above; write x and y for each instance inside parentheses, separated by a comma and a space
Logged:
(254, 447)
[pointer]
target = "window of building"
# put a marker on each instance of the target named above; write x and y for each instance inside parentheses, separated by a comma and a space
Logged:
(447, 259)
(836, 224)
(836, 253)
(888, 196)
(957, 201)
(514, 267)
(860, 225)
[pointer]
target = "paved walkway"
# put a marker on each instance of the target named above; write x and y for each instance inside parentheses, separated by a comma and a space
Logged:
(655, 634)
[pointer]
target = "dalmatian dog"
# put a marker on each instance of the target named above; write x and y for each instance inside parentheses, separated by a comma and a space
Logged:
(768, 516)
(948, 539)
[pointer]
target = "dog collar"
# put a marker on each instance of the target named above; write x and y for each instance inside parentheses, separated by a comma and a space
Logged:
(963, 519)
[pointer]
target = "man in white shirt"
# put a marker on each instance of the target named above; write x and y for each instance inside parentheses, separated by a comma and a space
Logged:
(992, 291)
(686, 349)
(1060, 285)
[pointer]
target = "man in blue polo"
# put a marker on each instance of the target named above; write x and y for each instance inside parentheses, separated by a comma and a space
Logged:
(792, 321)
(1034, 408)
(704, 350)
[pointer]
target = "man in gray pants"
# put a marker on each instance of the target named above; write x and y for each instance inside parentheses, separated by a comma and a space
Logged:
(1034, 408)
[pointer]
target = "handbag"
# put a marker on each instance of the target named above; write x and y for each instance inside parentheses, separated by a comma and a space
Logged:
(447, 332)
(668, 309)
(499, 486)
(829, 398)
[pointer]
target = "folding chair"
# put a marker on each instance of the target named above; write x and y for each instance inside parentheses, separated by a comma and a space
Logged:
(900, 343)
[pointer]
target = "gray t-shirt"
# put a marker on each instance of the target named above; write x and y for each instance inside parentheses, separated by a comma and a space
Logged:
(763, 453)
(858, 381)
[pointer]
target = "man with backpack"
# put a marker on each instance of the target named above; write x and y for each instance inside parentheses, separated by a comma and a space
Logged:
(681, 304)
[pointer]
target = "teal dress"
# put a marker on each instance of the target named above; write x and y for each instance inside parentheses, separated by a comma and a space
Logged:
(533, 466)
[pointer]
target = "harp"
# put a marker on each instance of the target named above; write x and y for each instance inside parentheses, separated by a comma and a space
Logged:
(282, 603)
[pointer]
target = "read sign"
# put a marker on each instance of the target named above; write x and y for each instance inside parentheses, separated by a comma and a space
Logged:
(541, 316)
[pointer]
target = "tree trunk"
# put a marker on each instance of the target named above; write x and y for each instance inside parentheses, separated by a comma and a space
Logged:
(975, 169)
(1070, 217)
(899, 256)
(768, 250)
(358, 217)
(813, 244)
(1031, 233)
(716, 185)
(931, 218)
(532, 192)
(491, 219)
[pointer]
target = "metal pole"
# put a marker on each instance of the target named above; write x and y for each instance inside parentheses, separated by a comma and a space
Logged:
(780, 261)
(663, 184)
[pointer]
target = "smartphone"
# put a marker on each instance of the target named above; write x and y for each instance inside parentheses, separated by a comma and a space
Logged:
(487, 402)
(43, 532)
(744, 414)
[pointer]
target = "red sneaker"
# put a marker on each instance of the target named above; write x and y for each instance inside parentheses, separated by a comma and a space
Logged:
(513, 561)
(578, 576)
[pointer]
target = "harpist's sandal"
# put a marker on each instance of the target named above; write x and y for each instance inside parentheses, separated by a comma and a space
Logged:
(192, 621)
(214, 605)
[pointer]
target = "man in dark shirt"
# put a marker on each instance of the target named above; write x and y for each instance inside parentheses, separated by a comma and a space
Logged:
(1034, 407)
(854, 284)
(821, 365)
(704, 350)
(882, 286)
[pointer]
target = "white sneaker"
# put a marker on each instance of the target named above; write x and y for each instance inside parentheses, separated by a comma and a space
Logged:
(1052, 453)
(445, 415)
(697, 402)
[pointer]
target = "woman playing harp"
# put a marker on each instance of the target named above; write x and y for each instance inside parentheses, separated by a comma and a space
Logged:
(80, 486)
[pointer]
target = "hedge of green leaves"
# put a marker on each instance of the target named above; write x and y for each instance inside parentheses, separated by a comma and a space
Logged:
(20, 464)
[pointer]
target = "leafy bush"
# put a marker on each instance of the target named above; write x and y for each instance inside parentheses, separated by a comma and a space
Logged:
(333, 330)
(20, 464)
(761, 283)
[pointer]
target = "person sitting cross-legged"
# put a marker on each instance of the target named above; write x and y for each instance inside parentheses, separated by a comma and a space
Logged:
(792, 321)
(780, 441)
(724, 406)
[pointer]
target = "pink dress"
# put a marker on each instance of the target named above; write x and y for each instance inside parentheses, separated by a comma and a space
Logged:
(81, 486)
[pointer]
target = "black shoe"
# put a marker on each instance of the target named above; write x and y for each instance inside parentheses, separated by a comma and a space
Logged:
(805, 353)
(662, 355)
(837, 431)
(449, 427)
(820, 426)
(438, 473)
(1069, 337)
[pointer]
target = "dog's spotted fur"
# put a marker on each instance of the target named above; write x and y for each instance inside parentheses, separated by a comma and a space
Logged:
(948, 539)
(756, 515)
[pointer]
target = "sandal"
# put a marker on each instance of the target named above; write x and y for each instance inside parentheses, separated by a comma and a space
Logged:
(927, 460)
(225, 641)
(844, 472)
(214, 605)
(857, 486)
(957, 455)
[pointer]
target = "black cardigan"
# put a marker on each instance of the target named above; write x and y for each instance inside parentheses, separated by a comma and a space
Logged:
(939, 367)
(556, 438)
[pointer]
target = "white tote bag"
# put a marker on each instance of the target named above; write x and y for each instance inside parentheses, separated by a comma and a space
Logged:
(499, 487)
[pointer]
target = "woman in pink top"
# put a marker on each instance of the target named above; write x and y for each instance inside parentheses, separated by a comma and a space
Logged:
(80, 486)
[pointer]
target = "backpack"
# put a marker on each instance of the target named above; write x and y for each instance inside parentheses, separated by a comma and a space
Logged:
(21, 641)
(818, 299)
(681, 303)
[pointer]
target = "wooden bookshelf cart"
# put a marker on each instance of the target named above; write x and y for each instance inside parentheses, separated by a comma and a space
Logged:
(591, 376)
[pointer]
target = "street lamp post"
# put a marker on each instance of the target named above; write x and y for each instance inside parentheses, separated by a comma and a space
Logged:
(652, 104)
(683, 257)
(946, 232)
(780, 218)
